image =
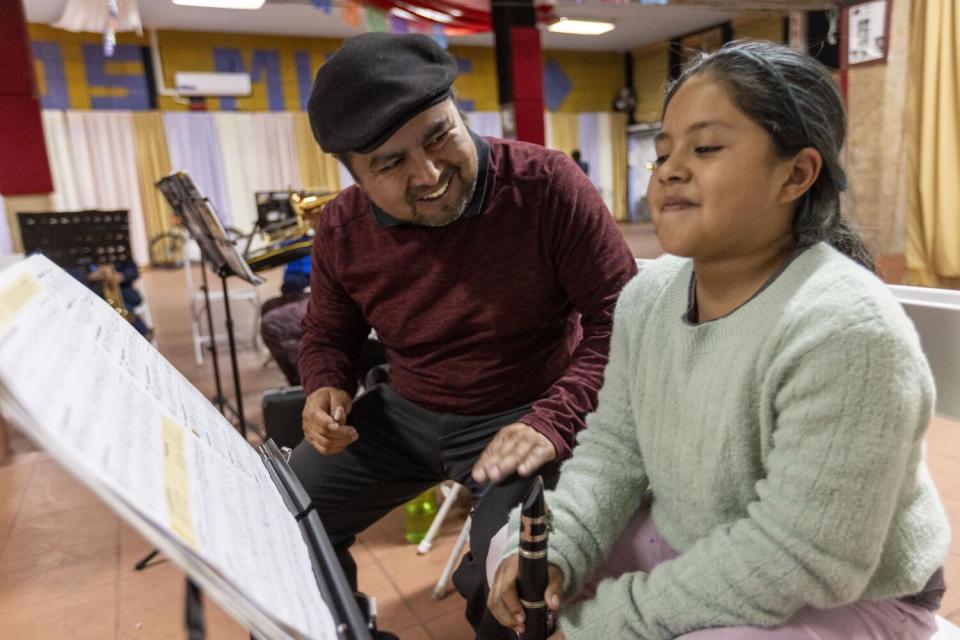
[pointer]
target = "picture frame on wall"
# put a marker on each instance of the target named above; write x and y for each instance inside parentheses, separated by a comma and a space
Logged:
(867, 30)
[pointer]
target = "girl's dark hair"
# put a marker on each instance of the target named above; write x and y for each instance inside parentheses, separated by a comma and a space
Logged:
(793, 97)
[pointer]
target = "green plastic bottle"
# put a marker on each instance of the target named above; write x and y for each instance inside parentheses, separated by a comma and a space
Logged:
(418, 514)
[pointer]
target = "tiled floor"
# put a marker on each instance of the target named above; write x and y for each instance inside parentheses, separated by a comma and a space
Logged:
(66, 561)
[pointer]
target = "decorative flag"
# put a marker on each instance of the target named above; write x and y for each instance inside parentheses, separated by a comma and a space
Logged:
(110, 33)
(376, 20)
(350, 14)
(324, 5)
(398, 25)
(438, 34)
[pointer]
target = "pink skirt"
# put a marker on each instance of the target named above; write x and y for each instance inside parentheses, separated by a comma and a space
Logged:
(641, 548)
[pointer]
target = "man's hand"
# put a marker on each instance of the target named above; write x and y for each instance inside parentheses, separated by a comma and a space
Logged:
(324, 420)
(516, 447)
(504, 600)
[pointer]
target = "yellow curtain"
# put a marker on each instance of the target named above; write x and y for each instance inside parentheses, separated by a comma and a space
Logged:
(564, 131)
(318, 170)
(933, 126)
(153, 162)
(618, 151)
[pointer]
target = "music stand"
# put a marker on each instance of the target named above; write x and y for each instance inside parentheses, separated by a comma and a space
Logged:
(203, 224)
(73, 239)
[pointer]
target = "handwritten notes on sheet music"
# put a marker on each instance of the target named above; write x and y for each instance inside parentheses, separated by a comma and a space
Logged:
(101, 397)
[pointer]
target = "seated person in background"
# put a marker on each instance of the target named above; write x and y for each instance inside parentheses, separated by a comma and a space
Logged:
(281, 318)
(584, 166)
(766, 398)
(281, 327)
(489, 270)
(124, 275)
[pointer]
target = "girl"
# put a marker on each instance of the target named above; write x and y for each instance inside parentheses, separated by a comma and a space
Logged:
(765, 400)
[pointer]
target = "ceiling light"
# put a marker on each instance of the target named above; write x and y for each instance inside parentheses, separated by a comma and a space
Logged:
(222, 4)
(580, 27)
(426, 14)
(402, 13)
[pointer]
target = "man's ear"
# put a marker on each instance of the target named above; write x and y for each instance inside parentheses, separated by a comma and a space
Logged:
(803, 173)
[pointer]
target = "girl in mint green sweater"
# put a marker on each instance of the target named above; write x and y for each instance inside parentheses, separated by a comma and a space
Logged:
(754, 467)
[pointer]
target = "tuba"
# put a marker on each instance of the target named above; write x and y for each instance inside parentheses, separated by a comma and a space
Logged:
(308, 208)
(294, 238)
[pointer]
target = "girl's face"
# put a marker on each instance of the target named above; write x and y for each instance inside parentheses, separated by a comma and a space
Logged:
(717, 190)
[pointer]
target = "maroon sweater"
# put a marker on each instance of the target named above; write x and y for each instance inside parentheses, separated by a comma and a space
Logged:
(510, 304)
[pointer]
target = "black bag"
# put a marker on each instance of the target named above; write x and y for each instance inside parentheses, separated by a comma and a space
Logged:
(282, 415)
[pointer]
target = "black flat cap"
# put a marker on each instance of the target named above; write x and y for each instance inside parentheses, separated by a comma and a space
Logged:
(372, 85)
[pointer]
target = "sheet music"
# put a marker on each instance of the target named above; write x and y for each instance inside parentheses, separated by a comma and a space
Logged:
(114, 411)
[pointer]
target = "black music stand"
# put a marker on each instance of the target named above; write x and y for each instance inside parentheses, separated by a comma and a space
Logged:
(73, 239)
(216, 249)
(77, 241)
(200, 219)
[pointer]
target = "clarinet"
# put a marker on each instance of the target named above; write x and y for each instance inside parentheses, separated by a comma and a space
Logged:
(535, 526)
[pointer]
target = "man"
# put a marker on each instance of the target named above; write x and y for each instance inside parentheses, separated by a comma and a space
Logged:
(489, 270)
(583, 164)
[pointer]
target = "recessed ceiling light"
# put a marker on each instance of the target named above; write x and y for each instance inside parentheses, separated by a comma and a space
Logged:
(221, 4)
(580, 27)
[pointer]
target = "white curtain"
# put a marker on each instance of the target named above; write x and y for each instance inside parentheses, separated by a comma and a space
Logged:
(6, 247)
(276, 149)
(94, 166)
(235, 132)
(602, 175)
(345, 178)
(194, 146)
(485, 123)
(548, 129)
(259, 153)
(65, 196)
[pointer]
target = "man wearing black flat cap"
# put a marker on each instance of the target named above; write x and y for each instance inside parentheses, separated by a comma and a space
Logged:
(489, 270)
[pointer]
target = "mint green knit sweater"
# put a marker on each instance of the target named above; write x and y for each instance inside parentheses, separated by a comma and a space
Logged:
(782, 444)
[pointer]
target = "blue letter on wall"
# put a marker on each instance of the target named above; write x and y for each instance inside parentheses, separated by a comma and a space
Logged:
(57, 95)
(97, 76)
(264, 63)
(304, 78)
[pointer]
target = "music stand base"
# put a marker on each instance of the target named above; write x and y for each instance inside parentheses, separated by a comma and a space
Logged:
(145, 562)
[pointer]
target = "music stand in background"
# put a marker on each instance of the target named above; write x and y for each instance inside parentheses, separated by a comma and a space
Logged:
(203, 224)
(74, 239)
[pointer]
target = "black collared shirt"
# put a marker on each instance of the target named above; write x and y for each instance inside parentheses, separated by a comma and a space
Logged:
(384, 219)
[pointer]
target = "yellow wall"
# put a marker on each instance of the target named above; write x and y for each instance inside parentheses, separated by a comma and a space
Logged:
(189, 51)
(282, 70)
(75, 69)
(651, 63)
(651, 72)
(596, 78)
(759, 25)
(479, 84)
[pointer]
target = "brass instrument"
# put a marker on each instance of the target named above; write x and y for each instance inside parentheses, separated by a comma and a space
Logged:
(111, 291)
(294, 238)
(309, 208)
